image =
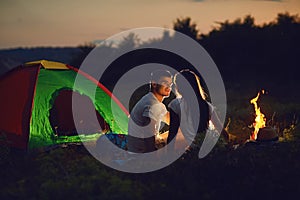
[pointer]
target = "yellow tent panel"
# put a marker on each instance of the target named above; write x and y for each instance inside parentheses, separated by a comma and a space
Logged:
(48, 64)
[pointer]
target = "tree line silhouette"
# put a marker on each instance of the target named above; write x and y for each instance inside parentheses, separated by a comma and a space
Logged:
(257, 56)
(249, 56)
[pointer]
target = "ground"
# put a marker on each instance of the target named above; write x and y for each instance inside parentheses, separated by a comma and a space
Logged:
(248, 171)
(232, 170)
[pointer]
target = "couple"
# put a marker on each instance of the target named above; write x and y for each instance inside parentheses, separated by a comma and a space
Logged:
(148, 113)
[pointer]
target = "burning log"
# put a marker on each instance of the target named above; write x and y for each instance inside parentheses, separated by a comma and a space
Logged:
(267, 134)
(262, 133)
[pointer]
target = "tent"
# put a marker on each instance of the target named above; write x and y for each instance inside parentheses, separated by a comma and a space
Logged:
(36, 106)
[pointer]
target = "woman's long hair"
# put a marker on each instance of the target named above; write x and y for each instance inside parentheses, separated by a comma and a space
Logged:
(194, 82)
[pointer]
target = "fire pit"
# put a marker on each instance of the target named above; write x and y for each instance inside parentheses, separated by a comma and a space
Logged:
(261, 133)
(267, 134)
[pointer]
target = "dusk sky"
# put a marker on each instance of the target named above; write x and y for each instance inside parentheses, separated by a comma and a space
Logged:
(30, 23)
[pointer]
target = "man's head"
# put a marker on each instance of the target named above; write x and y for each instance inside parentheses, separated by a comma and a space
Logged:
(161, 83)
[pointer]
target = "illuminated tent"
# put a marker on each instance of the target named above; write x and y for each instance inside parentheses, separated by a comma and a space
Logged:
(36, 106)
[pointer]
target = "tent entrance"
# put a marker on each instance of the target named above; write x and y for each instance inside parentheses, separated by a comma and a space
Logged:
(61, 116)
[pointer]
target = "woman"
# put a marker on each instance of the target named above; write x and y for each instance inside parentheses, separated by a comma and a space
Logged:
(190, 111)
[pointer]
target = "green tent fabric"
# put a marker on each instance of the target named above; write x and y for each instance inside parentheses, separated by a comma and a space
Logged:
(48, 84)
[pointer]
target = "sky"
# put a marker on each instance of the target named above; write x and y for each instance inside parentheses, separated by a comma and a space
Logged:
(32, 23)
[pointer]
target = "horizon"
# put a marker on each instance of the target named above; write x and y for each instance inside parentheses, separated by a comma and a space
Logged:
(47, 24)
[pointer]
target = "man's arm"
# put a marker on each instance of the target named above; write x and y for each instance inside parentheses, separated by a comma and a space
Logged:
(166, 118)
(150, 141)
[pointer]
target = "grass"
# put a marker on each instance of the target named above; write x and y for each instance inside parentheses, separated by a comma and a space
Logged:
(248, 171)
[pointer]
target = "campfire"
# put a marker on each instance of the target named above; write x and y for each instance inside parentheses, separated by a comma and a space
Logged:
(261, 131)
(260, 120)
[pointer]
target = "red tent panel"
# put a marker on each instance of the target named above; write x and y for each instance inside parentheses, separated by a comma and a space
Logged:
(17, 90)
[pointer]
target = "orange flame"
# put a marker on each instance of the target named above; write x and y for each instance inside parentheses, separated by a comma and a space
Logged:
(260, 120)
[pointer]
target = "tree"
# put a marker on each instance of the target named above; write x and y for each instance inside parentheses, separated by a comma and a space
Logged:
(185, 26)
(286, 18)
(129, 42)
(85, 48)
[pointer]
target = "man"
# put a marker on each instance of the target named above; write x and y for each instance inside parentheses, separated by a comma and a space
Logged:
(147, 114)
